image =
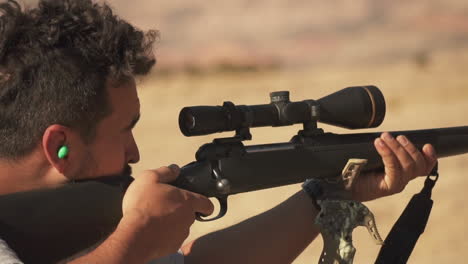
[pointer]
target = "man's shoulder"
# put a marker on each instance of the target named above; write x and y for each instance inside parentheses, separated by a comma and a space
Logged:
(7, 255)
(177, 258)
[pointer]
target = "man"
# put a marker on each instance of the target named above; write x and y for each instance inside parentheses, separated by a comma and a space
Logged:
(68, 104)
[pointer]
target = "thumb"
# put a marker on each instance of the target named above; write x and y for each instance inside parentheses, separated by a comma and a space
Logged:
(164, 174)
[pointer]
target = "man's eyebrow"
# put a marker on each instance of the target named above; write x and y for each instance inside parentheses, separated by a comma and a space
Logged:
(134, 122)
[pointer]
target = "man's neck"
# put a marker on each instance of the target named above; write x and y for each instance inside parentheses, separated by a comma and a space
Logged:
(28, 173)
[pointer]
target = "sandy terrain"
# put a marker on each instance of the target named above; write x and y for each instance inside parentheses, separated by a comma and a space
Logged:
(289, 33)
(415, 51)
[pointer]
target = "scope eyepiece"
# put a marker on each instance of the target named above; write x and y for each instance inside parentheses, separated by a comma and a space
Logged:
(353, 108)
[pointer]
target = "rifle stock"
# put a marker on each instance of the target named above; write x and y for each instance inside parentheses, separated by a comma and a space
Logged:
(46, 226)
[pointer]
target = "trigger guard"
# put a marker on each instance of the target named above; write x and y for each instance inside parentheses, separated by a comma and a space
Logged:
(222, 211)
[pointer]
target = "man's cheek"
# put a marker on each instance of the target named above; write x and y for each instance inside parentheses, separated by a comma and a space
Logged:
(115, 161)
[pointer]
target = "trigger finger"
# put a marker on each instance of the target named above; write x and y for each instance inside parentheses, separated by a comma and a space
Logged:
(201, 204)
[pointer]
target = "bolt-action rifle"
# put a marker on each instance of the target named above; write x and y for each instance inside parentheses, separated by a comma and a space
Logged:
(45, 226)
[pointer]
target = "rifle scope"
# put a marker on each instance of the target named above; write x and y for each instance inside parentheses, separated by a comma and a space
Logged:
(352, 107)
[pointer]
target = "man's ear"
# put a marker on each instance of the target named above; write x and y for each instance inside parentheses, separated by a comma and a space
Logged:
(55, 137)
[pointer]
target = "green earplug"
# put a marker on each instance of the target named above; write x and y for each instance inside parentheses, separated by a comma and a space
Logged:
(63, 152)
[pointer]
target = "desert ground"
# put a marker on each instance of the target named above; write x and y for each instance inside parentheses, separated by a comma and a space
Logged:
(209, 52)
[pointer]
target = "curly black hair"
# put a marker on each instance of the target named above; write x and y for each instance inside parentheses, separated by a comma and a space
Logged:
(55, 61)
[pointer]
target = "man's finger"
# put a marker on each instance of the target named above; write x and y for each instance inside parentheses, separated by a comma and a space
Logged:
(416, 155)
(390, 161)
(201, 204)
(430, 156)
(406, 161)
(163, 174)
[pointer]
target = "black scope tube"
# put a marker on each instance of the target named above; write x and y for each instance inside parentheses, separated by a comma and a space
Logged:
(352, 107)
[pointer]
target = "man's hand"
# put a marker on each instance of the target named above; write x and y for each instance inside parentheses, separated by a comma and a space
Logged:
(160, 214)
(403, 162)
(156, 220)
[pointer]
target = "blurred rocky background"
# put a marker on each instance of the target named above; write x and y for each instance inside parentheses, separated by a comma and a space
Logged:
(282, 33)
(240, 50)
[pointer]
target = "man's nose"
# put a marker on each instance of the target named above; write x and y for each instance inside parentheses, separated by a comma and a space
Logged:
(133, 154)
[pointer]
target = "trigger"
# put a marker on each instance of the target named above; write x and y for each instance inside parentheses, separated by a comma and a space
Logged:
(222, 211)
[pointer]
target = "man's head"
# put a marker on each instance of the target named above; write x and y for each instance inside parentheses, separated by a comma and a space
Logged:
(67, 73)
